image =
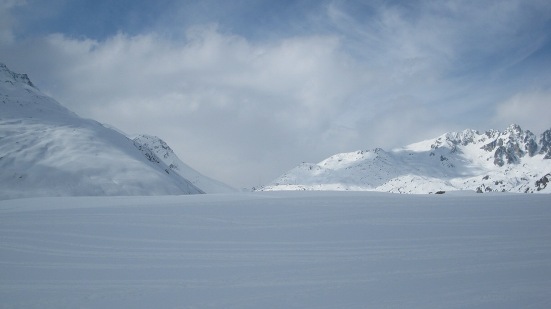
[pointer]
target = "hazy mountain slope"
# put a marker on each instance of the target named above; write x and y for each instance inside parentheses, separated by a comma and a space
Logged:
(513, 160)
(46, 150)
(157, 151)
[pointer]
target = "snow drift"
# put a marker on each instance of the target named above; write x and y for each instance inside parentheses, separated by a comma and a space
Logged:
(277, 250)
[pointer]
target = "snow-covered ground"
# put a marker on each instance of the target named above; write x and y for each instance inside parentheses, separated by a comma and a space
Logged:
(277, 250)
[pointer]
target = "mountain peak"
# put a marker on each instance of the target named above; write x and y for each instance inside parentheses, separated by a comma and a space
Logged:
(11, 77)
(514, 129)
(511, 145)
(21, 99)
(46, 150)
(464, 137)
(512, 160)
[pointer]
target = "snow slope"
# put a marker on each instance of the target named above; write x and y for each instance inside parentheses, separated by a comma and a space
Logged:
(277, 250)
(510, 161)
(46, 150)
(157, 151)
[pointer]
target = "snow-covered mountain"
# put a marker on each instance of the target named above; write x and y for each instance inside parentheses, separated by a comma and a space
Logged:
(513, 160)
(157, 151)
(47, 150)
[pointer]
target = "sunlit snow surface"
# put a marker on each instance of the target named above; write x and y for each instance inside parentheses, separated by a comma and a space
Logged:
(514, 160)
(277, 250)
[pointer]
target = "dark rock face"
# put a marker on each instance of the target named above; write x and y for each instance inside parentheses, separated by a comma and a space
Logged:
(498, 156)
(147, 152)
(491, 146)
(15, 77)
(542, 182)
(530, 145)
(514, 143)
(508, 151)
(513, 152)
(545, 144)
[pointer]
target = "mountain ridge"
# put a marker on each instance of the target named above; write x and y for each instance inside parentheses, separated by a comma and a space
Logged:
(513, 160)
(15, 77)
(47, 150)
(158, 151)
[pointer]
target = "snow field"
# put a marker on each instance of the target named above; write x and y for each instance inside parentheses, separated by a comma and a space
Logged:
(277, 250)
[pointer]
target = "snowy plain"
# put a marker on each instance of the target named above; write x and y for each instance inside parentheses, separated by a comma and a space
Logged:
(277, 250)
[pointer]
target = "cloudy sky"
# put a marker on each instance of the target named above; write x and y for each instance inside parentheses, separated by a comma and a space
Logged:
(244, 90)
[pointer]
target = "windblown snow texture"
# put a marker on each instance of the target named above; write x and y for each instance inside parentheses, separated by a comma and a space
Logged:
(277, 250)
(46, 150)
(513, 160)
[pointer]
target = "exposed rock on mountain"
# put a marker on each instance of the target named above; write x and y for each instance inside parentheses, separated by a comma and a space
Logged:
(157, 151)
(513, 160)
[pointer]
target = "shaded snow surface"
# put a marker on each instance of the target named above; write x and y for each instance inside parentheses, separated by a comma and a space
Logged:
(277, 250)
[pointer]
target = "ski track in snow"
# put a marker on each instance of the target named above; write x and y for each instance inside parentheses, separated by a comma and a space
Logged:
(277, 250)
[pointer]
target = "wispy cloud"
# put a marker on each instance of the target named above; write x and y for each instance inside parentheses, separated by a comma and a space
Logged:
(222, 101)
(7, 22)
(525, 109)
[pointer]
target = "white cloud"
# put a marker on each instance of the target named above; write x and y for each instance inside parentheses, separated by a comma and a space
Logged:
(7, 22)
(531, 110)
(225, 104)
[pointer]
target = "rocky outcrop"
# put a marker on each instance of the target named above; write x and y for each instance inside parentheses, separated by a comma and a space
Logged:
(513, 160)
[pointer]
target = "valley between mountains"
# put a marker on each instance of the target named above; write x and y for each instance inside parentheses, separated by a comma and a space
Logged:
(47, 150)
